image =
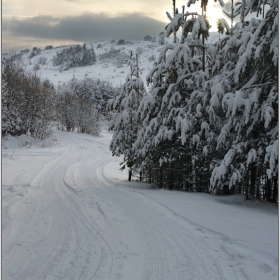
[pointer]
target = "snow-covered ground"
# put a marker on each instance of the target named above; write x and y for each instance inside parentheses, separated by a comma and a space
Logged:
(104, 69)
(69, 213)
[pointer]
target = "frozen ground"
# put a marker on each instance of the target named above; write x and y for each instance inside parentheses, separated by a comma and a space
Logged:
(69, 213)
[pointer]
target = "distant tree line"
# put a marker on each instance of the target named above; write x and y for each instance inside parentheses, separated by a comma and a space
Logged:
(82, 103)
(27, 102)
(116, 55)
(31, 105)
(74, 56)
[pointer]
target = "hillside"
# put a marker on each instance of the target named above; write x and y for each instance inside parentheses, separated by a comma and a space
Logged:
(110, 66)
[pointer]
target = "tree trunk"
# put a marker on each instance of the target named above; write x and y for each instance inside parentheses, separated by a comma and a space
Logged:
(171, 181)
(129, 174)
(160, 177)
(253, 181)
(225, 189)
(203, 50)
(268, 189)
(247, 187)
(275, 189)
(174, 13)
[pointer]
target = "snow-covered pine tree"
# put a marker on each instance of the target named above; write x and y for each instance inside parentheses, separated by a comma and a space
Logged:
(66, 108)
(231, 15)
(127, 123)
(76, 109)
(88, 56)
(85, 88)
(223, 26)
(244, 7)
(225, 56)
(161, 143)
(172, 80)
(204, 31)
(103, 92)
(250, 133)
(100, 92)
(73, 56)
(193, 119)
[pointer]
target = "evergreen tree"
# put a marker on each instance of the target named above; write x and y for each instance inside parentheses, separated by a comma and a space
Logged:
(74, 56)
(210, 120)
(251, 107)
(166, 111)
(127, 124)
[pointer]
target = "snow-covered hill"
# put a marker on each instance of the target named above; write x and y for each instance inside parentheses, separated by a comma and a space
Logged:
(108, 68)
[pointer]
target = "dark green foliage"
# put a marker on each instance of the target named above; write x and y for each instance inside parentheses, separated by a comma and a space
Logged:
(49, 47)
(74, 56)
(35, 51)
(121, 42)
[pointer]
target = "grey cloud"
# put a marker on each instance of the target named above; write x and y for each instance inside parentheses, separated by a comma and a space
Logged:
(83, 28)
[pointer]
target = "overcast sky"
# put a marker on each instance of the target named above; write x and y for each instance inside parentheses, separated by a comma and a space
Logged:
(29, 23)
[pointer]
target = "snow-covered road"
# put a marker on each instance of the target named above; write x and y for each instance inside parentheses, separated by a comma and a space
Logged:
(67, 213)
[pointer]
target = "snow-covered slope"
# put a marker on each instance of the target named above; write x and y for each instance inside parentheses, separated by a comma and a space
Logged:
(105, 69)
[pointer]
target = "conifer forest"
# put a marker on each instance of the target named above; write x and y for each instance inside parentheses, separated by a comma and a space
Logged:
(209, 119)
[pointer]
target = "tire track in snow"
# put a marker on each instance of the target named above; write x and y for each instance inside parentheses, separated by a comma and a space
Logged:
(159, 243)
(100, 230)
(166, 249)
(231, 252)
(72, 249)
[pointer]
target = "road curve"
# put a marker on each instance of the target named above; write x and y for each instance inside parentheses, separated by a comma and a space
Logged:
(77, 224)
